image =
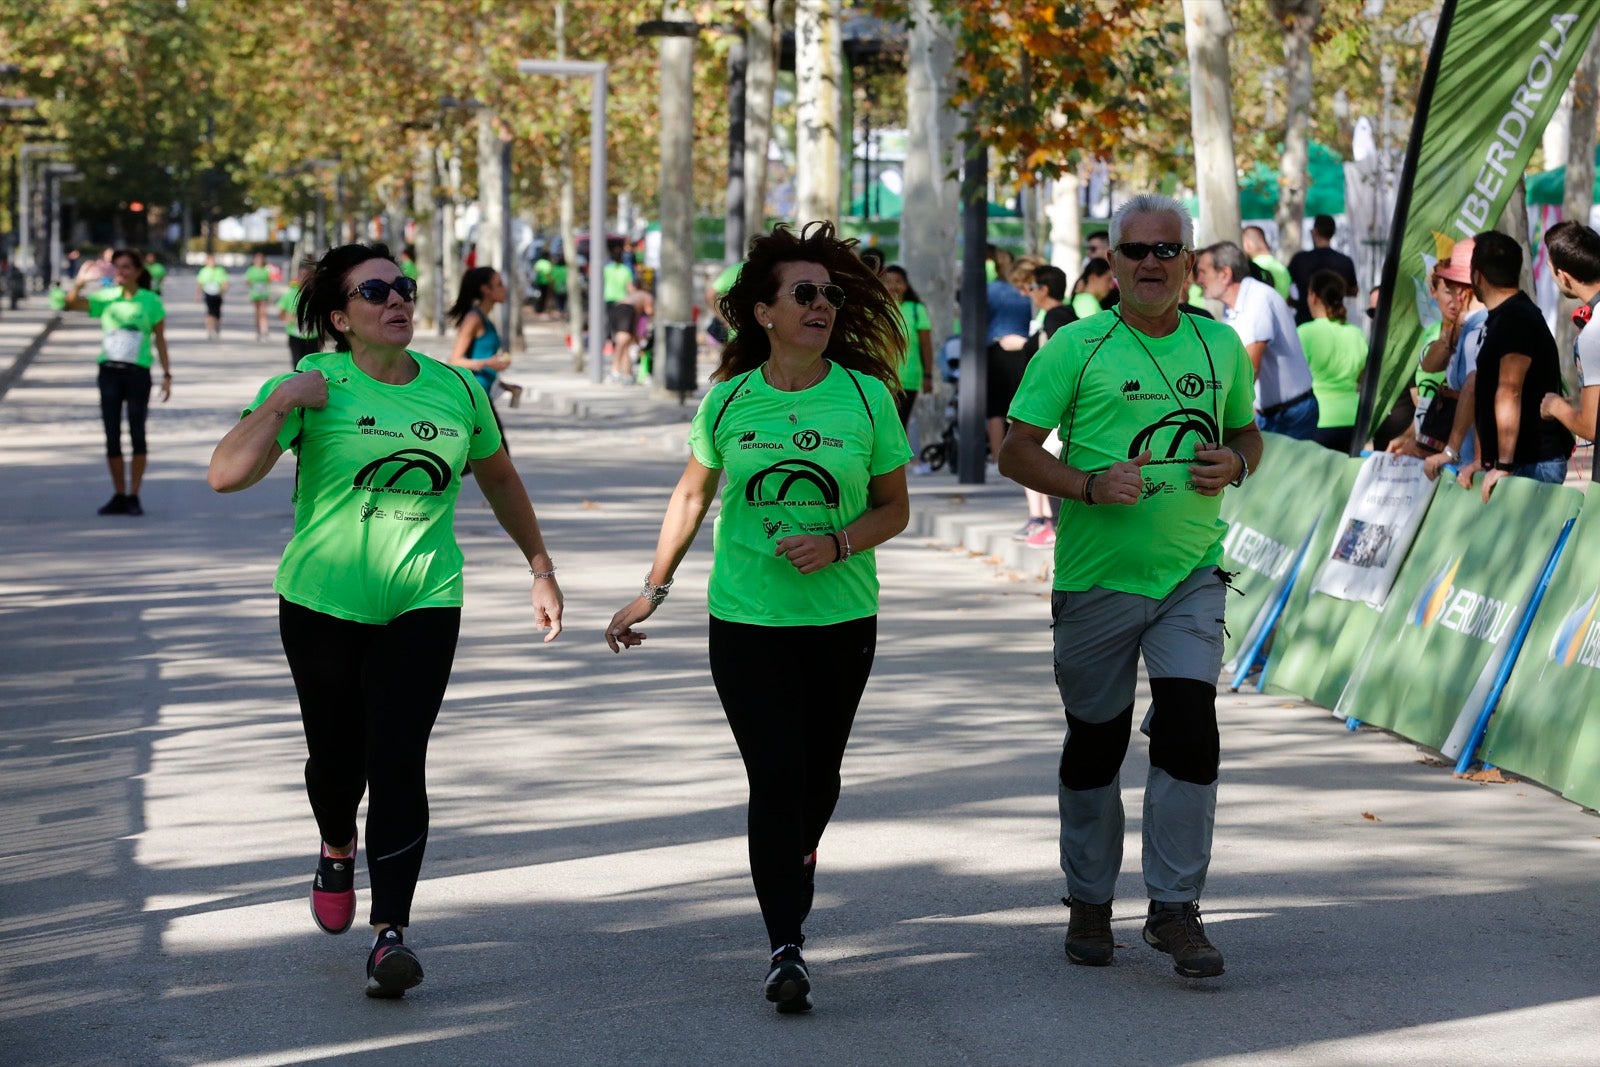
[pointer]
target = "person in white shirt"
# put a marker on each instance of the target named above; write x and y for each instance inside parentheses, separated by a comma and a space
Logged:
(1285, 403)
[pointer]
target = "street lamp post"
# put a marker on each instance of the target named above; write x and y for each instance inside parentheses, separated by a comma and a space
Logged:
(596, 72)
(55, 175)
(25, 253)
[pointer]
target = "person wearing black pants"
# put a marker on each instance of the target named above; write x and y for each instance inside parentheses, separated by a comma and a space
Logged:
(803, 420)
(792, 740)
(370, 584)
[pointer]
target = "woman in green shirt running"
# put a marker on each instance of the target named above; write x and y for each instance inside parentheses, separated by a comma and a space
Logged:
(258, 276)
(370, 584)
(803, 420)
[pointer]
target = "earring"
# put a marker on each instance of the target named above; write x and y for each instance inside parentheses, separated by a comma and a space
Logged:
(770, 326)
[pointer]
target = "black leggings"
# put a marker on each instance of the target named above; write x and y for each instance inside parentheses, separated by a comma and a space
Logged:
(791, 728)
(369, 695)
(300, 348)
(123, 383)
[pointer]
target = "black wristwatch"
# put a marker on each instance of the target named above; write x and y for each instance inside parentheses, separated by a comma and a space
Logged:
(1503, 467)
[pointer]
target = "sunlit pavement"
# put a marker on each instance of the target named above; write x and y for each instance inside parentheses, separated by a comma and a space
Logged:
(586, 896)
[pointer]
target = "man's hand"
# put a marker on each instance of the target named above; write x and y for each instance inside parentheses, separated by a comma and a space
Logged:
(1465, 473)
(1548, 404)
(1122, 482)
(1490, 480)
(1431, 465)
(1214, 469)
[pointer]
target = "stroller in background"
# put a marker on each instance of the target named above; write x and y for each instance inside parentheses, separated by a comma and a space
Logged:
(944, 450)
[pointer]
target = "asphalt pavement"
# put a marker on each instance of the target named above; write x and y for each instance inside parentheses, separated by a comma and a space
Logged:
(586, 895)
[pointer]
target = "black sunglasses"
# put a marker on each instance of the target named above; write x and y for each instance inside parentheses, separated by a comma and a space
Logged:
(375, 291)
(806, 292)
(1137, 250)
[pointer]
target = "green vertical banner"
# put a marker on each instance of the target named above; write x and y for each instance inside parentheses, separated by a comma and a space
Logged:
(1319, 638)
(1268, 519)
(1501, 72)
(1547, 726)
(1457, 598)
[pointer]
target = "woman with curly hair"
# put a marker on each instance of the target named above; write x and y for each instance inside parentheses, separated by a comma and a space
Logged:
(803, 420)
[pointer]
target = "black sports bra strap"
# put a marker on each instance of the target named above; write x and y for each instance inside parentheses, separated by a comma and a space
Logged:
(862, 395)
(732, 393)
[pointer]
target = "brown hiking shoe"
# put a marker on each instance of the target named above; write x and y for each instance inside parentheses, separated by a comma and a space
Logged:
(1089, 941)
(1175, 929)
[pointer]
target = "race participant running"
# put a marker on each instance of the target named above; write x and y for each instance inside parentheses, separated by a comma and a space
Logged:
(132, 335)
(210, 282)
(301, 343)
(258, 276)
(803, 420)
(370, 584)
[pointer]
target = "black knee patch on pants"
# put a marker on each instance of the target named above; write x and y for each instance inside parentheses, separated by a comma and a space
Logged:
(1094, 750)
(1183, 729)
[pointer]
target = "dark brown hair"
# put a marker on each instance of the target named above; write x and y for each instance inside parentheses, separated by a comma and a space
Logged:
(868, 334)
(1330, 288)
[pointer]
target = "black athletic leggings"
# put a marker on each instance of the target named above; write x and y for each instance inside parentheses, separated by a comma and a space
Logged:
(124, 384)
(792, 725)
(369, 695)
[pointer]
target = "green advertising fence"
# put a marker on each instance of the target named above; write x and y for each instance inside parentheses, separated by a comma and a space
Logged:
(1268, 518)
(1547, 725)
(1320, 638)
(1457, 597)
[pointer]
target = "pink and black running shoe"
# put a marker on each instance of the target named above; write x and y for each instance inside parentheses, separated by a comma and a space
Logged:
(333, 891)
(391, 967)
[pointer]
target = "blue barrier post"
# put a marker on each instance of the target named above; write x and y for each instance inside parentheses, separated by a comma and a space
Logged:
(1481, 727)
(1253, 658)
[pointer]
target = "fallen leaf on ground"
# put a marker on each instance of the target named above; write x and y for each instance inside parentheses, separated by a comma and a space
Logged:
(1429, 761)
(1491, 775)
(1370, 817)
(589, 505)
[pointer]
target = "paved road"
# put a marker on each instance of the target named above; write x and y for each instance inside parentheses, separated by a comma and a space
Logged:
(586, 897)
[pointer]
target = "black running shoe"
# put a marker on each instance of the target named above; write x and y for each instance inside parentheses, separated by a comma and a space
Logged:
(789, 982)
(117, 505)
(134, 507)
(391, 967)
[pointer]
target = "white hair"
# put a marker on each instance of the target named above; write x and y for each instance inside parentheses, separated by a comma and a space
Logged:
(1152, 204)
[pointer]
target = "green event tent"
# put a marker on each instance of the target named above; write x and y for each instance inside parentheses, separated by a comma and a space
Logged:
(1258, 190)
(1548, 187)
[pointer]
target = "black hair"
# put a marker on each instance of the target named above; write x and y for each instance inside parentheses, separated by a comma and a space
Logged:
(325, 291)
(1329, 287)
(1054, 279)
(895, 268)
(410, 250)
(868, 332)
(471, 291)
(873, 259)
(1096, 267)
(145, 281)
(1574, 248)
(1323, 227)
(1498, 257)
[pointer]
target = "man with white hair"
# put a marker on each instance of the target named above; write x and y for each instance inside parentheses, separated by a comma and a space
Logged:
(1154, 410)
(1284, 401)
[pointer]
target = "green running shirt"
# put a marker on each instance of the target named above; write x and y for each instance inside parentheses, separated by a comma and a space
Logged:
(158, 273)
(260, 281)
(289, 303)
(1336, 352)
(615, 281)
(375, 492)
(916, 319)
(796, 463)
(126, 324)
(1114, 392)
(212, 280)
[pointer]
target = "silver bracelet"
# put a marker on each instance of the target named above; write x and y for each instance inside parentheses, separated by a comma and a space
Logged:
(655, 593)
(847, 549)
(551, 573)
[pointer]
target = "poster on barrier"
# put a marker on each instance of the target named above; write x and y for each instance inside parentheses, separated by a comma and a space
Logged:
(1320, 638)
(1380, 520)
(1547, 725)
(1457, 598)
(1268, 519)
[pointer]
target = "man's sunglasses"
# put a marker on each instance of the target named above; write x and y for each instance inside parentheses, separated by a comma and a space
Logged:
(374, 291)
(1137, 250)
(806, 292)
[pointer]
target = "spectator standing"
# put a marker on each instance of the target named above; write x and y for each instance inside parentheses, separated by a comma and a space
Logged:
(1575, 255)
(1093, 287)
(1320, 256)
(1047, 291)
(1336, 351)
(1285, 402)
(916, 373)
(1010, 318)
(1517, 366)
(1254, 242)
(301, 342)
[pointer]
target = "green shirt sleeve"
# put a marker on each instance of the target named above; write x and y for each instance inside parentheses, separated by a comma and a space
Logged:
(292, 422)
